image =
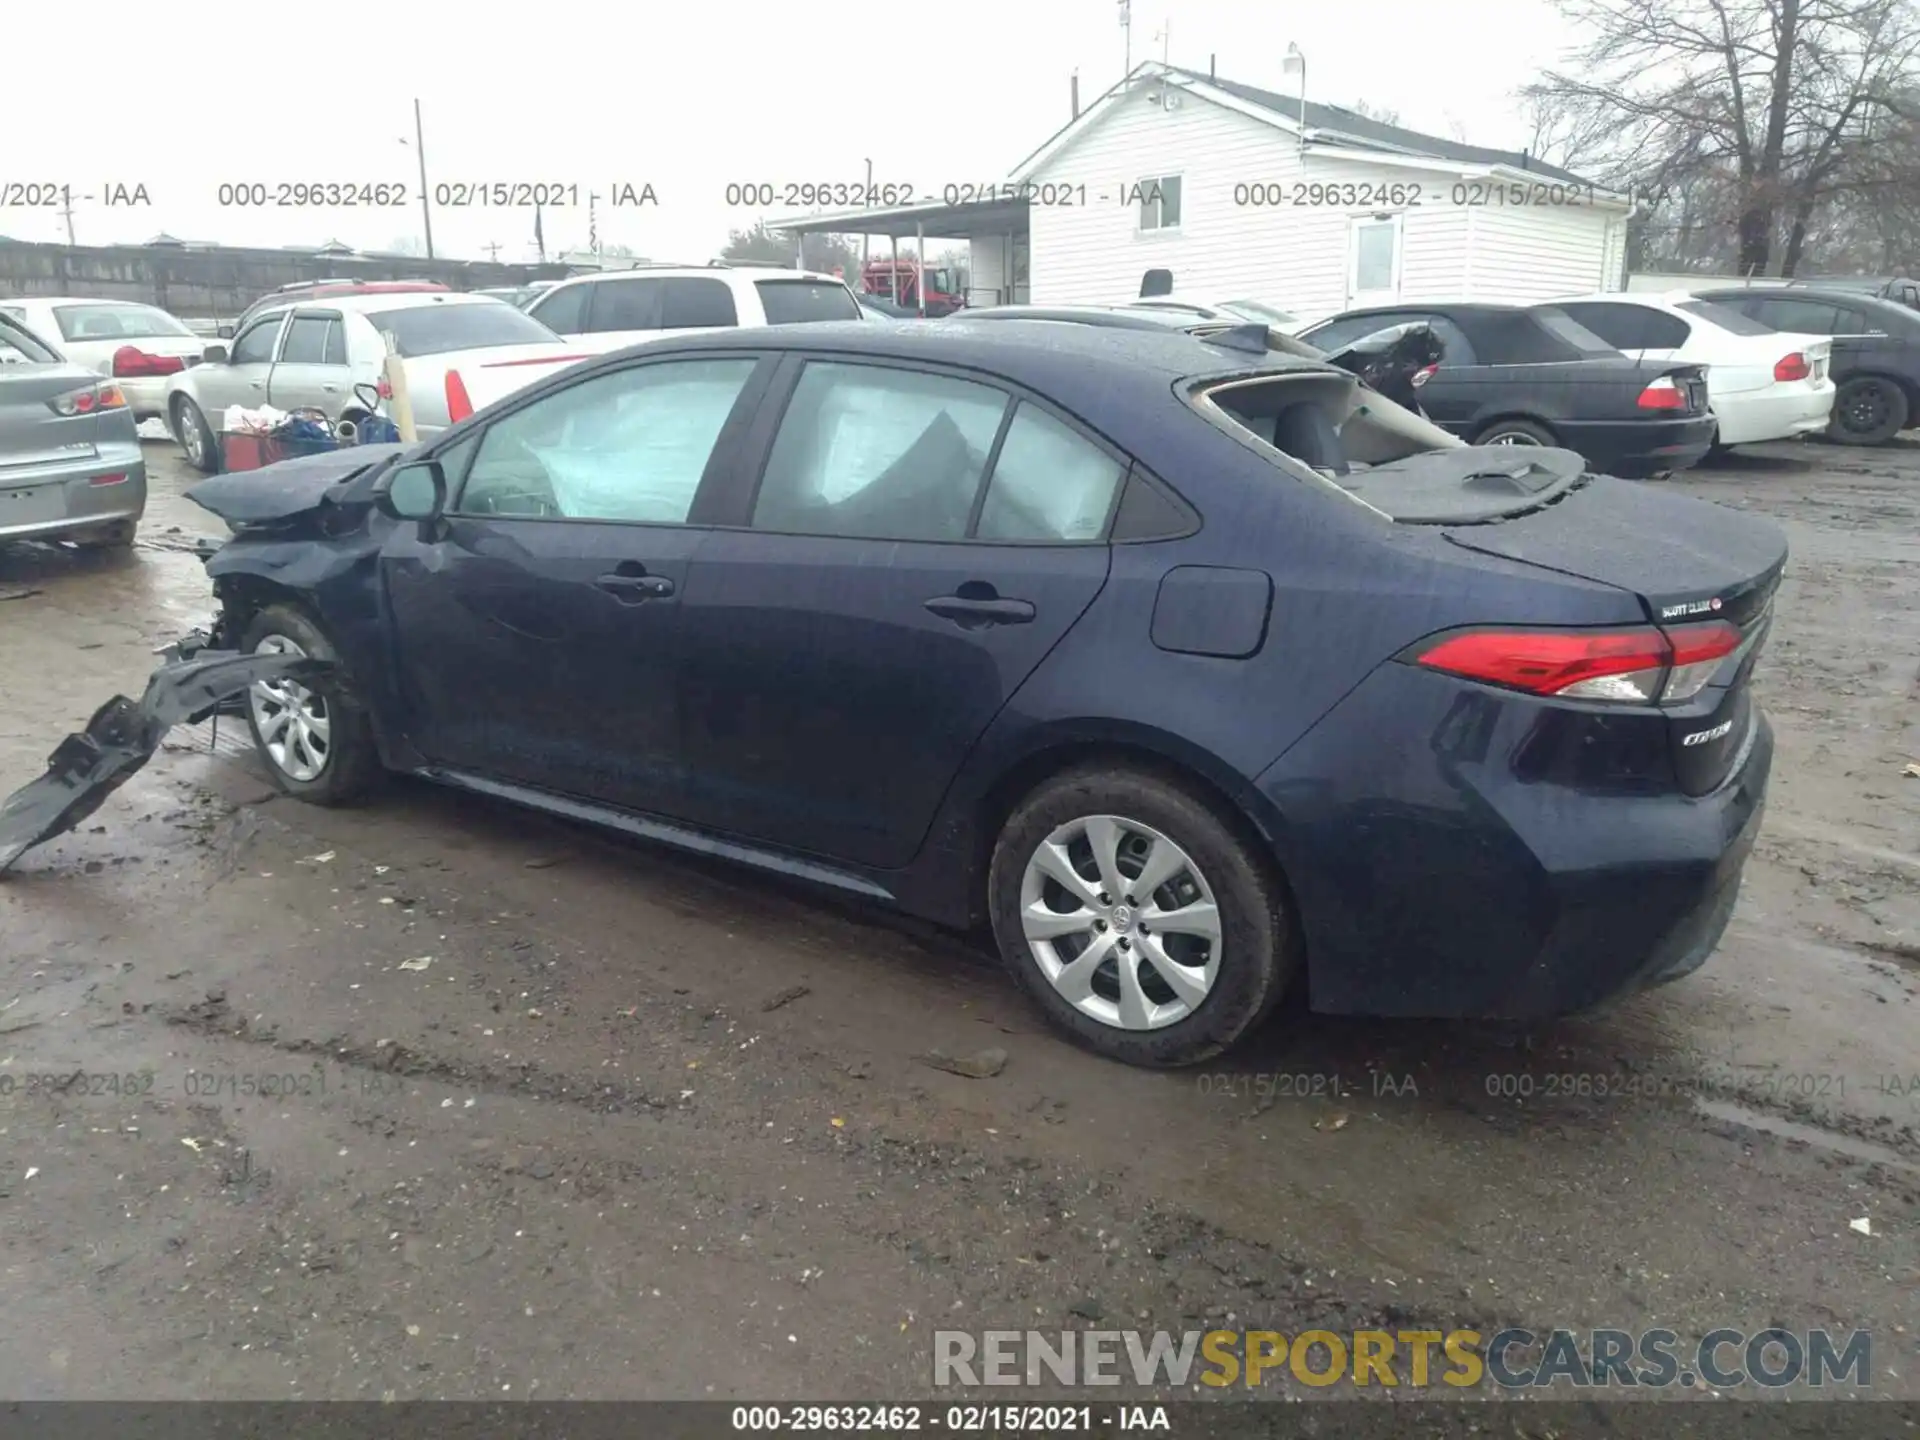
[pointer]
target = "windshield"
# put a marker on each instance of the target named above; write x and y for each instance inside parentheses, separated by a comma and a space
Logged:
(1725, 316)
(794, 302)
(115, 322)
(436, 329)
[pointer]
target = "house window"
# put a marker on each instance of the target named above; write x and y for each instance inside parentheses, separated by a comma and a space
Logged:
(1159, 202)
(1376, 256)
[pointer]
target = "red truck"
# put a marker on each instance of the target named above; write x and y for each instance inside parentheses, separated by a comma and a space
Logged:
(900, 281)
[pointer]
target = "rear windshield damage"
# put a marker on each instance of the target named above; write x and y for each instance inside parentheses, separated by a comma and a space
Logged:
(1329, 429)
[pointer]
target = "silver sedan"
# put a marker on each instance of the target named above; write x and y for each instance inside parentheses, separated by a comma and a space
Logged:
(70, 462)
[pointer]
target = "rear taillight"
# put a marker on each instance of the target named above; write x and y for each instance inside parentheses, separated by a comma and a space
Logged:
(1421, 376)
(119, 479)
(130, 362)
(1641, 666)
(1663, 394)
(88, 400)
(459, 404)
(1792, 367)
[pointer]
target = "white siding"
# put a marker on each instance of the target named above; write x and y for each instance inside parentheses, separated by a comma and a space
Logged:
(1296, 257)
(1527, 253)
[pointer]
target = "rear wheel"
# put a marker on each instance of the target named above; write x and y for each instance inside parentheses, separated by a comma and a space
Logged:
(1515, 432)
(316, 741)
(1868, 411)
(1140, 922)
(196, 437)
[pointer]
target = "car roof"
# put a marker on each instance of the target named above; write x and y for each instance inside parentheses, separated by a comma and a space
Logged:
(385, 300)
(77, 300)
(1117, 317)
(745, 272)
(1876, 304)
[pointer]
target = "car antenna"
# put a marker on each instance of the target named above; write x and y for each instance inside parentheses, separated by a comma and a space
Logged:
(1251, 337)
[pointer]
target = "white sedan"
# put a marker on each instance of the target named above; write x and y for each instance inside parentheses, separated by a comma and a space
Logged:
(1762, 384)
(327, 353)
(138, 345)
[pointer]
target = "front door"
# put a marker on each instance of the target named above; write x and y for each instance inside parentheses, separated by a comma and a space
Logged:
(845, 649)
(538, 629)
(1373, 261)
(311, 373)
(243, 379)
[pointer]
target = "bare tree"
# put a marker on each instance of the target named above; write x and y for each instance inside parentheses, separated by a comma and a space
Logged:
(1379, 114)
(1753, 122)
(759, 245)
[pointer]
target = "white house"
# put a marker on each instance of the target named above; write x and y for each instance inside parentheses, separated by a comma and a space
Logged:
(1215, 182)
(1218, 183)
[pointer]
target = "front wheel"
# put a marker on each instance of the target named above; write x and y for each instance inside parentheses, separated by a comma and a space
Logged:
(1868, 411)
(196, 437)
(1140, 922)
(316, 741)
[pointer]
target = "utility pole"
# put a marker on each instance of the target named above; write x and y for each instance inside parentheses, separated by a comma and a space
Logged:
(865, 240)
(66, 210)
(420, 149)
(492, 247)
(539, 233)
(1126, 24)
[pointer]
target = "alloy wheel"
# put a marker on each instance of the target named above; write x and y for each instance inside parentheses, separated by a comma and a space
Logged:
(1121, 922)
(294, 726)
(190, 438)
(1510, 437)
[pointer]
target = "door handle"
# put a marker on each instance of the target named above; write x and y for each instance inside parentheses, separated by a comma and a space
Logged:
(632, 589)
(970, 612)
(331, 389)
(258, 384)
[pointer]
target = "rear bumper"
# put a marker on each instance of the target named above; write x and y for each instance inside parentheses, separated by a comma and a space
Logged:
(1634, 448)
(1440, 882)
(57, 501)
(146, 396)
(1772, 414)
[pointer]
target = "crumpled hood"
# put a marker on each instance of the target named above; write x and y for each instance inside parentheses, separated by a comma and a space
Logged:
(288, 487)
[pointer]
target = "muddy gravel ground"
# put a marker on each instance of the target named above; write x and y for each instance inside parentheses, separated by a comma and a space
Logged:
(435, 1098)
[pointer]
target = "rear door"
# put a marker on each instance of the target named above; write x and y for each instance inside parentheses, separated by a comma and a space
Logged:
(538, 625)
(912, 546)
(311, 373)
(623, 312)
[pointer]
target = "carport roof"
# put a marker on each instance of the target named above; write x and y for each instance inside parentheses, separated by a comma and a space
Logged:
(938, 221)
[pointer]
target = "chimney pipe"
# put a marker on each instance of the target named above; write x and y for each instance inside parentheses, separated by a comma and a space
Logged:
(1076, 94)
(1210, 70)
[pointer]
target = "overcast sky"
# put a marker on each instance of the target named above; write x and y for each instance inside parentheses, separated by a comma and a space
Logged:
(685, 97)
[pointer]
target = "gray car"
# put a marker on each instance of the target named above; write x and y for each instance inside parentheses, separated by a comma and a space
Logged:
(70, 462)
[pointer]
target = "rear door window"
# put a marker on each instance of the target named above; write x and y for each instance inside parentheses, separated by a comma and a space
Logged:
(1801, 317)
(1049, 483)
(795, 302)
(870, 452)
(306, 341)
(1734, 321)
(623, 305)
(696, 302)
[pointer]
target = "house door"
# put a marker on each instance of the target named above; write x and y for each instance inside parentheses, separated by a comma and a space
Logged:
(1373, 261)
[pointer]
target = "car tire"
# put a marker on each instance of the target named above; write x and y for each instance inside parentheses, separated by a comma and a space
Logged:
(1251, 951)
(1515, 432)
(196, 437)
(322, 751)
(1868, 410)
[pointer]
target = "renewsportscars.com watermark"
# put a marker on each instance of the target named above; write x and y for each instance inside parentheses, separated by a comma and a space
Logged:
(1462, 1359)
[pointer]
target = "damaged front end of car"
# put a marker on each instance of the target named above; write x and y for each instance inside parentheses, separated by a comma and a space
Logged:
(299, 531)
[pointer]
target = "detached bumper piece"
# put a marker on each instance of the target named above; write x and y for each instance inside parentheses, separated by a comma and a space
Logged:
(123, 735)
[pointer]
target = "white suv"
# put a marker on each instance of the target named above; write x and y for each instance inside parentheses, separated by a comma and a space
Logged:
(617, 308)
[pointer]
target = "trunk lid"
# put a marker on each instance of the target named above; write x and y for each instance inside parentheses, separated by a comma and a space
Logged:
(32, 435)
(1690, 562)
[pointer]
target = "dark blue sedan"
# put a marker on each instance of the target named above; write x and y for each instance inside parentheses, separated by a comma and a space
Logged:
(1193, 670)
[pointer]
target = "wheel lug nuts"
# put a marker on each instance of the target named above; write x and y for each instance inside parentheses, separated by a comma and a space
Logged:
(1105, 899)
(1099, 924)
(1125, 944)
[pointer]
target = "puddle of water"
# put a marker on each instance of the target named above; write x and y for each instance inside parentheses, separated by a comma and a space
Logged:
(1735, 1114)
